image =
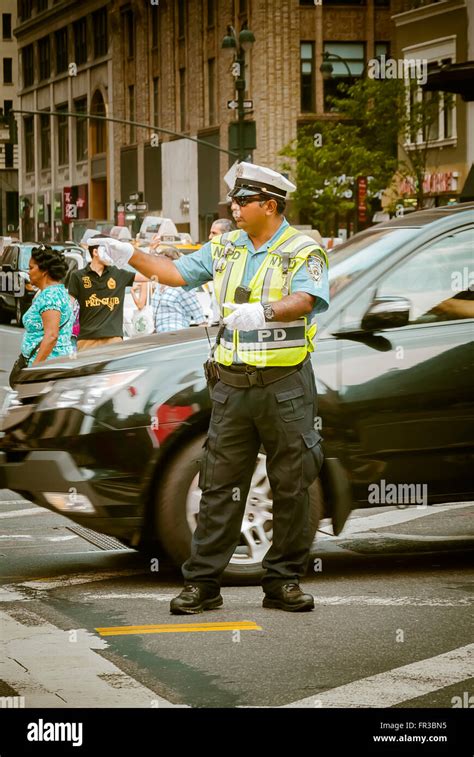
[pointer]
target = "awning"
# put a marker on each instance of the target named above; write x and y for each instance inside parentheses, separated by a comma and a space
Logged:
(453, 77)
(467, 194)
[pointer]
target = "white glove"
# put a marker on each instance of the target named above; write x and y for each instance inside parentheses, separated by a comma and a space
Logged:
(246, 317)
(113, 252)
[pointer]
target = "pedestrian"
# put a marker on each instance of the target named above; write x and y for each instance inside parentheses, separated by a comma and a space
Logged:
(173, 307)
(100, 291)
(221, 226)
(270, 281)
(49, 320)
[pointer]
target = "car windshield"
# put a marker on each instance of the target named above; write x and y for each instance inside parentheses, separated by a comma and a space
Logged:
(25, 253)
(359, 254)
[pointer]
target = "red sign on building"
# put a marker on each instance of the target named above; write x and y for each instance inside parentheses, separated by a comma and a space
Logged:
(362, 184)
(74, 203)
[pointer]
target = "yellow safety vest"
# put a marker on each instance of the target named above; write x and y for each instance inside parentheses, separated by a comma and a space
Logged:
(278, 343)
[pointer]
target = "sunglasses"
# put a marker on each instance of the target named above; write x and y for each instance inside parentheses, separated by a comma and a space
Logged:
(246, 200)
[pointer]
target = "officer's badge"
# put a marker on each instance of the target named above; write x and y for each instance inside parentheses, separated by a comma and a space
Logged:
(87, 282)
(315, 264)
(111, 283)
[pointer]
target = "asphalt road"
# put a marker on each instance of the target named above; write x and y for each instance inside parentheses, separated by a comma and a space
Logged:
(392, 626)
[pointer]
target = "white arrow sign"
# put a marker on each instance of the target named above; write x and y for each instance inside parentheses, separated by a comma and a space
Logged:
(232, 104)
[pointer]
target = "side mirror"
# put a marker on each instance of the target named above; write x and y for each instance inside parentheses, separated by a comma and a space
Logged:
(387, 313)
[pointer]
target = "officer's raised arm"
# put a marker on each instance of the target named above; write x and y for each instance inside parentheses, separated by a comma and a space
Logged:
(112, 251)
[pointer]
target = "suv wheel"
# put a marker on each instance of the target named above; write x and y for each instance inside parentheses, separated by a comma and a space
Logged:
(177, 506)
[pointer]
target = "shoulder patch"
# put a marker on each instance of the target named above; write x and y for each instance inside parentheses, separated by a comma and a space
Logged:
(315, 267)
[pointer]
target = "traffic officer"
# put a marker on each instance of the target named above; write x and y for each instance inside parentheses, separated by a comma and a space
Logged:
(270, 282)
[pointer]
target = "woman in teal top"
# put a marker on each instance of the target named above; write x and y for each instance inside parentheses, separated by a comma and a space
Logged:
(48, 322)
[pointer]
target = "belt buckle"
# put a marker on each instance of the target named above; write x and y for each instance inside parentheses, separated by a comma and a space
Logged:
(253, 376)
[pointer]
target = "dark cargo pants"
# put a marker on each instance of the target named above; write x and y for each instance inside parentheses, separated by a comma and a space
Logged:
(281, 417)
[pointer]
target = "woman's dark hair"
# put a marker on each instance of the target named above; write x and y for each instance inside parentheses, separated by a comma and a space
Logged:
(51, 261)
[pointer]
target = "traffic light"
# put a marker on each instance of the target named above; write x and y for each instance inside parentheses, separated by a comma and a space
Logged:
(13, 129)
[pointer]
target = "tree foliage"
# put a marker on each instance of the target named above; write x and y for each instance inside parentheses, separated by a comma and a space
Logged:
(372, 122)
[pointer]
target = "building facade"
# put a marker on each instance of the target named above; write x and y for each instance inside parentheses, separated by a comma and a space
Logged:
(171, 70)
(8, 101)
(66, 164)
(439, 33)
(162, 64)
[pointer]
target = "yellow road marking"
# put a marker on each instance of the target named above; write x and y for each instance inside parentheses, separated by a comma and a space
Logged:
(242, 625)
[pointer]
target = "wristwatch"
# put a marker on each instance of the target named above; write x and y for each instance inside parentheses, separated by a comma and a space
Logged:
(269, 313)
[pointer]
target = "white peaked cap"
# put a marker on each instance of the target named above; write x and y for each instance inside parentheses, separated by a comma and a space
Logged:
(253, 179)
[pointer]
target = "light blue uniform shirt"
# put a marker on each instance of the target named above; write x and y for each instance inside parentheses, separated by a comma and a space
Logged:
(196, 269)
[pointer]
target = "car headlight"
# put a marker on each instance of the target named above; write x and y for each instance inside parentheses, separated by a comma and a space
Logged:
(88, 392)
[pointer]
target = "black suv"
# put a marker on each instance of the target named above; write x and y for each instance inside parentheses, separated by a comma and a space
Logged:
(113, 439)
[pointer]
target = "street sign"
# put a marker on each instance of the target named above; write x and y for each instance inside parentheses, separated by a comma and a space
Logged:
(135, 196)
(233, 104)
(136, 207)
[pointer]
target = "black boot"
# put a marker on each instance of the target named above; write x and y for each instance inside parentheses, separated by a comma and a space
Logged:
(194, 598)
(289, 597)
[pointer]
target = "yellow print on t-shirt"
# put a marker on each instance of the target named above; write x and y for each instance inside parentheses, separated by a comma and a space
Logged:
(94, 301)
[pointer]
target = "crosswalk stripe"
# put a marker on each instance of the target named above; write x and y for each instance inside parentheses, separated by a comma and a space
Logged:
(22, 513)
(50, 669)
(399, 684)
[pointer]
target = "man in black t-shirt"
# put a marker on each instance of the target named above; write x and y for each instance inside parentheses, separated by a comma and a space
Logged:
(100, 291)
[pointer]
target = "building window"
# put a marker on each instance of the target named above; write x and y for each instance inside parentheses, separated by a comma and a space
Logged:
(7, 106)
(129, 31)
(154, 26)
(131, 111)
(29, 131)
(211, 12)
(347, 63)
(61, 50)
(26, 7)
(28, 66)
(9, 155)
(44, 50)
(181, 19)
(182, 99)
(242, 7)
(382, 48)
(41, 5)
(307, 77)
(80, 106)
(98, 126)
(432, 115)
(45, 138)
(6, 25)
(8, 71)
(307, 2)
(99, 23)
(211, 89)
(80, 41)
(63, 142)
(156, 101)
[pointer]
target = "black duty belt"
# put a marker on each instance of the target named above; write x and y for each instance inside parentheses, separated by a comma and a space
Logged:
(242, 376)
